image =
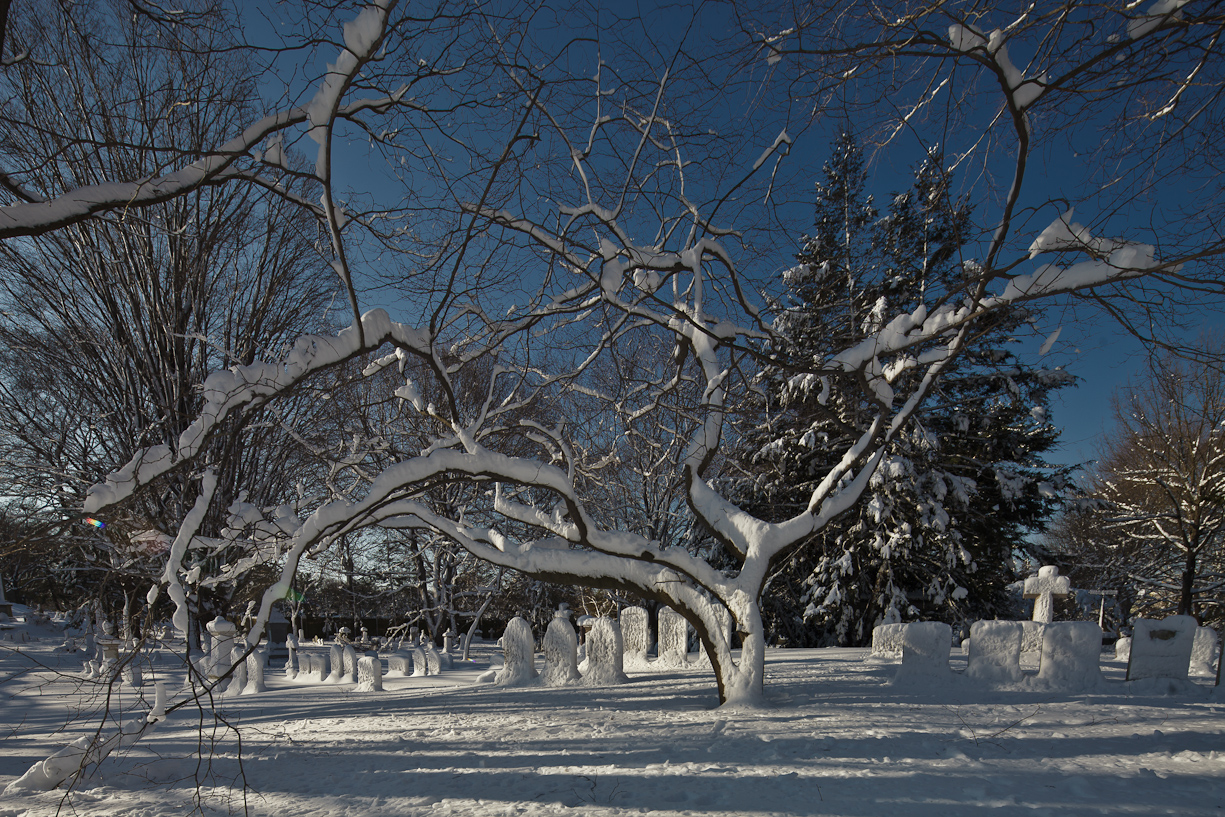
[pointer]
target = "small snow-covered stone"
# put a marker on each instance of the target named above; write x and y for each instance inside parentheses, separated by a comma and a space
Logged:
(350, 663)
(336, 659)
(255, 674)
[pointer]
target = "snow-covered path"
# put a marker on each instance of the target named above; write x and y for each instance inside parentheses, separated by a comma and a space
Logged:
(838, 740)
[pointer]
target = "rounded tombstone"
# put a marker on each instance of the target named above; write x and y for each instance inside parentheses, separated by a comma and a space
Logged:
(519, 654)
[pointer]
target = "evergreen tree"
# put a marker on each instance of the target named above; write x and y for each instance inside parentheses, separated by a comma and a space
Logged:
(949, 507)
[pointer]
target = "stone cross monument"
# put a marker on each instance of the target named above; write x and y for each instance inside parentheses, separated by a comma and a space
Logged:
(1043, 588)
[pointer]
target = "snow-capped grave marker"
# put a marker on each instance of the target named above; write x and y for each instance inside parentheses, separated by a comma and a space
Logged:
(995, 652)
(1161, 649)
(336, 660)
(1071, 656)
(519, 654)
(420, 665)
(636, 632)
(1122, 649)
(222, 634)
(673, 638)
(560, 652)
(369, 674)
(433, 662)
(887, 641)
(350, 663)
(255, 674)
(318, 672)
(291, 659)
(238, 679)
(1203, 652)
(1043, 588)
(605, 654)
(925, 652)
(399, 664)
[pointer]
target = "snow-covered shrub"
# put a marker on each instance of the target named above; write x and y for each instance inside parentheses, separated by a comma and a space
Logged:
(605, 665)
(995, 652)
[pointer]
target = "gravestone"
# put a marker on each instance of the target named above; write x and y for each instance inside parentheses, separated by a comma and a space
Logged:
(221, 634)
(255, 674)
(399, 664)
(369, 674)
(673, 638)
(433, 662)
(605, 654)
(420, 665)
(336, 660)
(925, 652)
(887, 641)
(1043, 589)
(1071, 656)
(636, 632)
(1122, 649)
(1204, 653)
(519, 654)
(291, 660)
(1161, 649)
(995, 652)
(350, 663)
(238, 679)
(560, 652)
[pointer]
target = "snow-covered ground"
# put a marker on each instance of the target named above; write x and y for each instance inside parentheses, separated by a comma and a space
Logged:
(837, 739)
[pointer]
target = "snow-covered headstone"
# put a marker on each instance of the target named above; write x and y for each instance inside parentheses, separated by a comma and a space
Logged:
(399, 664)
(1122, 649)
(350, 663)
(1071, 656)
(221, 634)
(433, 663)
(255, 674)
(369, 674)
(420, 665)
(1031, 639)
(887, 641)
(995, 652)
(336, 660)
(1043, 589)
(925, 653)
(560, 652)
(519, 655)
(1161, 649)
(291, 661)
(636, 632)
(605, 654)
(238, 679)
(673, 638)
(1204, 652)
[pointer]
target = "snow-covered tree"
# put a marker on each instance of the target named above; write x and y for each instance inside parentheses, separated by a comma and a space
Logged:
(1162, 480)
(956, 494)
(592, 222)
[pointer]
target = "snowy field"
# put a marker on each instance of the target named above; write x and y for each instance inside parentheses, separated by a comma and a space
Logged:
(837, 739)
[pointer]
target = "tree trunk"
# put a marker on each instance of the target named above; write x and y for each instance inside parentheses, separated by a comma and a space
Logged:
(1186, 599)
